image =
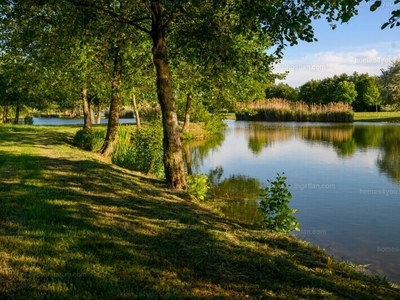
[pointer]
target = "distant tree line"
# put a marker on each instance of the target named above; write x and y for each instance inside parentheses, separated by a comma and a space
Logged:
(363, 91)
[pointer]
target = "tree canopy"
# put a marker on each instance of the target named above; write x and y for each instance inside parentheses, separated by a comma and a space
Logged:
(227, 40)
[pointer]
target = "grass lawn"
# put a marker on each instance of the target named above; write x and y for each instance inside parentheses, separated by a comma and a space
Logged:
(73, 226)
(377, 116)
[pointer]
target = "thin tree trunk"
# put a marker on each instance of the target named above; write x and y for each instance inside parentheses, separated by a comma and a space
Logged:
(5, 114)
(173, 160)
(85, 106)
(91, 113)
(187, 113)
(98, 112)
(113, 119)
(136, 111)
(188, 159)
(17, 110)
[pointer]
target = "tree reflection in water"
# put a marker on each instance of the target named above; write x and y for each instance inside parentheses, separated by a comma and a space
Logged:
(237, 195)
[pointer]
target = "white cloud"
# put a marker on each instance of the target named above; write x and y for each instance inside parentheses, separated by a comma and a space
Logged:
(320, 65)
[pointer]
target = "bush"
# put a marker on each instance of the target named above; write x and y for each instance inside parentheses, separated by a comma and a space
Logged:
(275, 207)
(89, 139)
(141, 150)
(198, 186)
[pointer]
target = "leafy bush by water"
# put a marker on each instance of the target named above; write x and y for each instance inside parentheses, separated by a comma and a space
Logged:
(275, 207)
(198, 186)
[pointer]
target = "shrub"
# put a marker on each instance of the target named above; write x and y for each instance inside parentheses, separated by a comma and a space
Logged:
(198, 186)
(275, 207)
(141, 150)
(89, 139)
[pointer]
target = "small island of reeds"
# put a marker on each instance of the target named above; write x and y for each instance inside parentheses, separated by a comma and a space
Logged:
(281, 110)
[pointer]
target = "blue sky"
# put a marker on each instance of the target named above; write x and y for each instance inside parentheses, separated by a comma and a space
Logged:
(359, 45)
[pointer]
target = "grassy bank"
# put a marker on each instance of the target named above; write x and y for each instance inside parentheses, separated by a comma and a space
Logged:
(281, 110)
(377, 116)
(73, 226)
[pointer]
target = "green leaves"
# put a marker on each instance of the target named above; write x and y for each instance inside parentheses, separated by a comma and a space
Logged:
(275, 206)
(375, 5)
(345, 92)
(198, 186)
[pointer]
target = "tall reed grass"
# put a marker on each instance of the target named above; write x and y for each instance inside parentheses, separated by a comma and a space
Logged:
(136, 149)
(140, 150)
(276, 109)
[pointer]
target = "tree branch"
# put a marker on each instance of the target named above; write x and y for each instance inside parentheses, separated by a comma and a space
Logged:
(115, 15)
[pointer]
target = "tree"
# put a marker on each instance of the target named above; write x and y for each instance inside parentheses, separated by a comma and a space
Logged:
(308, 92)
(281, 90)
(345, 92)
(198, 25)
(390, 82)
(368, 93)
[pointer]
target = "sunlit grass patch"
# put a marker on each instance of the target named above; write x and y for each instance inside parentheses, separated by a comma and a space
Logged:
(377, 116)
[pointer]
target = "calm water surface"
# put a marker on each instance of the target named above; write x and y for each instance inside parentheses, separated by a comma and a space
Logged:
(345, 182)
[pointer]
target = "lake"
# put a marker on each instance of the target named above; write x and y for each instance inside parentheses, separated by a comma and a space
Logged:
(345, 182)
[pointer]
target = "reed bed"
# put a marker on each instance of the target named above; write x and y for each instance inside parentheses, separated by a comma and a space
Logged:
(281, 110)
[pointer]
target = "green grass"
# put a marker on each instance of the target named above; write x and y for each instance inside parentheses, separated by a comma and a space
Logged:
(377, 116)
(73, 226)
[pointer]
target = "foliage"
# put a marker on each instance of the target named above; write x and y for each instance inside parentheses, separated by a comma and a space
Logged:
(140, 149)
(390, 81)
(215, 124)
(148, 112)
(281, 90)
(368, 92)
(363, 96)
(89, 139)
(227, 42)
(28, 120)
(275, 207)
(308, 92)
(284, 110)
(394, 19)
(198, 186)
(345, 92)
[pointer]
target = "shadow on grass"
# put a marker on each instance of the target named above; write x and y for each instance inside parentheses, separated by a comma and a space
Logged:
(83, 229)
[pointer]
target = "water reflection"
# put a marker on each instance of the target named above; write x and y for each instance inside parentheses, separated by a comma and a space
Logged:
(239, 194)
(337, 173)
(389, 159)
(341, 137)
(261, 136)
(196, 151)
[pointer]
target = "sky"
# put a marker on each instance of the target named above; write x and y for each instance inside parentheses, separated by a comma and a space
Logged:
(359, 45)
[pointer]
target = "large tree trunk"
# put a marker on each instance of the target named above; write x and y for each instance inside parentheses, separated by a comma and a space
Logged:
(86, 112)
(135, 109)
(113, 119)
(173, 160)
(187, 113)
